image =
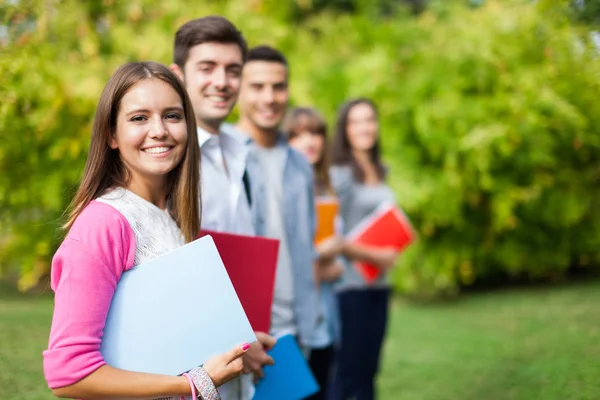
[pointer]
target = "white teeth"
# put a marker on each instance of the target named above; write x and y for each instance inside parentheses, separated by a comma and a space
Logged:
(217, 98)
(157, 150)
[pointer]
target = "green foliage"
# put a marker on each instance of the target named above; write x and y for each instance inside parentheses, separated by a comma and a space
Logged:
(587, 10)
(498, 123)
(488, 118)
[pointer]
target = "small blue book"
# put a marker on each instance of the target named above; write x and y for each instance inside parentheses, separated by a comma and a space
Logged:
(290, 378)
(173, 313)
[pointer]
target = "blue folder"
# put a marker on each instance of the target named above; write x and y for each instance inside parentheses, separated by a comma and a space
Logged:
(173, 313)
(290, 378)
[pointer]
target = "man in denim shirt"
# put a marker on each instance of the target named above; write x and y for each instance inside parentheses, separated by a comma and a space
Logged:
(283, 186)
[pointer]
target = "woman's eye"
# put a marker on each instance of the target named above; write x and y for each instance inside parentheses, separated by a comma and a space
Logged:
(174, 116)
(138, 118)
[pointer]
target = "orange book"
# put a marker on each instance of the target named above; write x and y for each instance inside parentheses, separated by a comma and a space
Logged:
(327, 210)
(387, 226)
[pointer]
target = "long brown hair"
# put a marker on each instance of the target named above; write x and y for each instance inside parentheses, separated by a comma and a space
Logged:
(342, 151)
(303, 119)
(104, 168)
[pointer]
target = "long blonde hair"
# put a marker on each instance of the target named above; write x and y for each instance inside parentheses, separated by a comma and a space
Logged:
(104, 168)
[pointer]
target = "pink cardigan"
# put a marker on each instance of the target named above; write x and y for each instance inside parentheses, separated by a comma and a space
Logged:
(85, 272)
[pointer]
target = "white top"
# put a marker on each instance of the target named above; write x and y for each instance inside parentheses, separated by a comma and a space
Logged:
(225, 205)
(155, 231)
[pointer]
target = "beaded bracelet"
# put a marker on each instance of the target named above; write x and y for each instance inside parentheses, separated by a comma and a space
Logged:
(206, 387)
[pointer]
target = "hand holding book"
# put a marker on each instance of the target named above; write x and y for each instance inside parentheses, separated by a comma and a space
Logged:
(375, 243)
(227, 366)
(189, 289)
(330, 270)
(385, 258)
(257, 357)
(330, 247)
(381, 258)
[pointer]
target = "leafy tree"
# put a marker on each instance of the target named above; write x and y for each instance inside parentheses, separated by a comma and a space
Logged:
(488, 119)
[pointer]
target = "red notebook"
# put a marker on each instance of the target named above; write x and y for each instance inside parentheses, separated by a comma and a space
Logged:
(387, 226)
(250, 262)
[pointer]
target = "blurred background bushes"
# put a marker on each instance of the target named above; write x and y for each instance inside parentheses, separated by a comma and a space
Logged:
(489, 117)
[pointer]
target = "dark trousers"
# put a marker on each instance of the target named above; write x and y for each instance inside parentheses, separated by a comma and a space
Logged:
(364, 318)
(320, 362)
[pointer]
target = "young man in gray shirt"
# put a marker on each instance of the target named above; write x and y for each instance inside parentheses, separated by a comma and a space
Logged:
(283, 183)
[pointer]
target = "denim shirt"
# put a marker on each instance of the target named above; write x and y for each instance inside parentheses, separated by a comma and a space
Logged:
(299, 223)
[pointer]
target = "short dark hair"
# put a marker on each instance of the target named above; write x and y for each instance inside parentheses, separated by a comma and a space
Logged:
(213, 28)
(266, 53)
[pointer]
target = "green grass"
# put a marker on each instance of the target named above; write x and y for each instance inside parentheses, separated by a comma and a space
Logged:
(515, 344)
(24, 327)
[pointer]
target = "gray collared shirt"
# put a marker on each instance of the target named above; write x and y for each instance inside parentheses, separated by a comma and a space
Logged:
(225, 206)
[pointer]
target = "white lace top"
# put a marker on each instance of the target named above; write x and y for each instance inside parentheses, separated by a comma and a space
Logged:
(155, 231)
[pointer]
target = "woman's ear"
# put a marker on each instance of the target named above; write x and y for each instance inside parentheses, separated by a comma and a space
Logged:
(112, 142)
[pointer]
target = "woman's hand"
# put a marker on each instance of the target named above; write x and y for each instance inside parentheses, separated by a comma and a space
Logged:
(330, 247)
(330, 271)
(226, 366)
(257, 357)
(385, 258)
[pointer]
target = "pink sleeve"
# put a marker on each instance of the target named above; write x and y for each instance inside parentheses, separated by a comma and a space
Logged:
(85, 272)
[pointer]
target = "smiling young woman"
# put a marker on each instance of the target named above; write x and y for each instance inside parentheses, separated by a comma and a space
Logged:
(358, 178)
(138, 199)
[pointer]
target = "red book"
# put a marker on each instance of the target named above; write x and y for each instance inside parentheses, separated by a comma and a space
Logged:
(251, 262)
(387, 226)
